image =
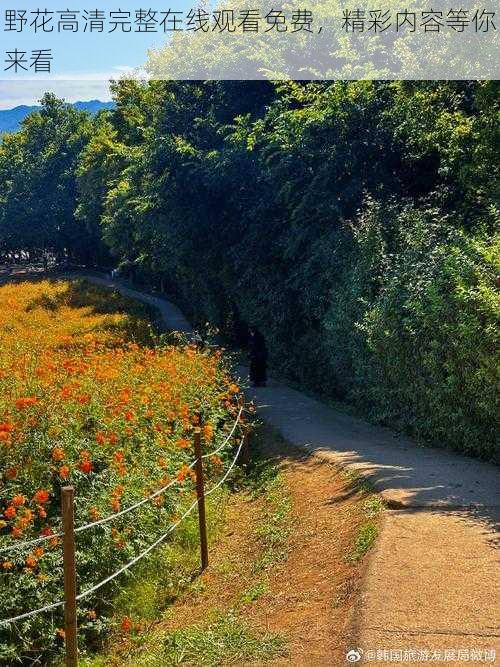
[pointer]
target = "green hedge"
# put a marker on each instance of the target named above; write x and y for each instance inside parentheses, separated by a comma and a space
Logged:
(412, 329)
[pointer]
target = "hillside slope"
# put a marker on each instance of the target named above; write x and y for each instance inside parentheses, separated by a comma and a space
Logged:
(10, 119)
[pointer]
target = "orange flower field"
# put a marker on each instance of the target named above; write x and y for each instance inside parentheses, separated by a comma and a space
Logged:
(90, 396)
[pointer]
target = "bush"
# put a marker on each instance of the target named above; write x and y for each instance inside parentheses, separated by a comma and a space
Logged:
(412, 328)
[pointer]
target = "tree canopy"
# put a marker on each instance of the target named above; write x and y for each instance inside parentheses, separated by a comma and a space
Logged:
(355, 223)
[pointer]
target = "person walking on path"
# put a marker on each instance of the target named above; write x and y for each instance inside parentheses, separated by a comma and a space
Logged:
(258, 358)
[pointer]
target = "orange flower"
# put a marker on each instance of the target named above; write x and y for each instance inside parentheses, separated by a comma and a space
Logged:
(233, 389)
(162, 462)
(10, 512)
(115, 504)
(113, 438)
(184, 472)
(11, 473)
(6, 427)
(183, 443)
(42, 496)
(38, 552)
(129, 416)
(26, 402)
(66, 393)
(126, 624)
(208, 431)
(31, 561)
(100, 438)
(94, 513)
(91, 615)
(86, 466)
(57, 454)
(64, 472)
(118, 456)
(7, 565)
(28, 515)
(118, 491)
(18, 500)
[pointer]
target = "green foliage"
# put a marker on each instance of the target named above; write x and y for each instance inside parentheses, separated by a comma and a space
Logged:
(38, 184)
(367, 534)
(351, 222)
(226, 640)
(420, 298)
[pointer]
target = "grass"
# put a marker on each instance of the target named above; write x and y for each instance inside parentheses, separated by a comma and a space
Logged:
(357, 480)
(276, 522)
(373, 506)
(171, 573)
(368, 530)
(365, 538)
(226, 640)
(275, 528)
(254, 592)
(162, 578)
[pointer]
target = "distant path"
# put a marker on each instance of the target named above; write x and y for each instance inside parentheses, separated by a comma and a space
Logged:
(433, 579)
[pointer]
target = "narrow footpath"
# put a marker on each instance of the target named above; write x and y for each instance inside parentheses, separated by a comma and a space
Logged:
(433, 579)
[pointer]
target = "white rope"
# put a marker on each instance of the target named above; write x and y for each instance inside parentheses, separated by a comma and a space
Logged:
(110, 517)
(32, 613)
(37, 540)
(134, 560)
(216, 451)
(162, 537)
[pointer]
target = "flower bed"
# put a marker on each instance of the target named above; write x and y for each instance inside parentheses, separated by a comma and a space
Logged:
(89, 398)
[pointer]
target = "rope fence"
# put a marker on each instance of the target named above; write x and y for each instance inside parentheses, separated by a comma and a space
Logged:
(110, 517)
(69, 551)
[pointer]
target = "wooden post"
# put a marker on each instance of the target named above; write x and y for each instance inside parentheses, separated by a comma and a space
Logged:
(67, 499)
(200, 493)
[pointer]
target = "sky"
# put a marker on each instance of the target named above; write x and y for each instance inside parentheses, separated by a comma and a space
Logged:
(83, 62)
(15, 93)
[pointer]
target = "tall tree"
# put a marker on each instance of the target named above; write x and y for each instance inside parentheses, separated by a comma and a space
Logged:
(38, 182)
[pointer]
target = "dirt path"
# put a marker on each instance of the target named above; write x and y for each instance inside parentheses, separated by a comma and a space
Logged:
(433, 582)
(312, 593)
(299, 580)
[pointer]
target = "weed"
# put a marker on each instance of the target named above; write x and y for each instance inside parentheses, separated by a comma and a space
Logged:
(227, 639)
(254, 592)
(373, 506)
(365, 538)
(275, 524)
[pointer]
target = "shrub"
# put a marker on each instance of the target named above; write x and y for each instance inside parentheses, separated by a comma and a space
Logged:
(412, 328)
